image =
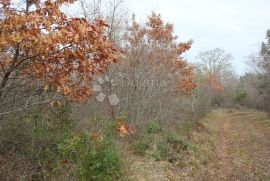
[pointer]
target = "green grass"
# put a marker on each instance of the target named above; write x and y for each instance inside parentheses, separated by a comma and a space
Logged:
(141, 146)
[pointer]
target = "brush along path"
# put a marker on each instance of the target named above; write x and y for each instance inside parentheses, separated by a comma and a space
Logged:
(234, 146)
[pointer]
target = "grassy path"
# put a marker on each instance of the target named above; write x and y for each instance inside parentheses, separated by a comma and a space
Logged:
(236, 147)
(242, 142)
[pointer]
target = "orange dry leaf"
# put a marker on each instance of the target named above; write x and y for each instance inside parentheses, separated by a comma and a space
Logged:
(123, 130)
(66, 90)
(65, 162)
(187, 85)
(94, 135)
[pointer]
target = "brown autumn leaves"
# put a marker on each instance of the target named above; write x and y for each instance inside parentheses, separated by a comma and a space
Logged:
(64, 54)
(61, 52)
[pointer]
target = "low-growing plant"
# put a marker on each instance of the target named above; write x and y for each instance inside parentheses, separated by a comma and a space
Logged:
(163, 150)
(152, 127)
(186, 128)
(141, 145)
(179, 143)
(164, 146)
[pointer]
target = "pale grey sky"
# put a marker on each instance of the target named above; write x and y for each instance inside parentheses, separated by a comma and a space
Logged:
(237, 26)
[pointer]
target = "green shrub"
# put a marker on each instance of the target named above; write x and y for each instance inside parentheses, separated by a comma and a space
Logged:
(240, 96)
(153, 146)
(165, 146)
(152, 127)
(34, 138)
(94, 159)
(46, 138)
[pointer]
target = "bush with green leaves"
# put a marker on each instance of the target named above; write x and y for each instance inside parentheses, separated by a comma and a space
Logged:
(34, 139)
(94, 158)
(152, 127)
(241, 96)
(47, 139)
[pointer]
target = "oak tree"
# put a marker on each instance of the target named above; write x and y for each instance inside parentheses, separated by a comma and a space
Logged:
(39, 42)
(157, 45)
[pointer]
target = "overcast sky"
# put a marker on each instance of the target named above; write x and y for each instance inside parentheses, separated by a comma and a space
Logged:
(237, 26)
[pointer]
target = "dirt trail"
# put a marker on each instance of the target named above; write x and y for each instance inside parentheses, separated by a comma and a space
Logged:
(242, 144)
(236, 145)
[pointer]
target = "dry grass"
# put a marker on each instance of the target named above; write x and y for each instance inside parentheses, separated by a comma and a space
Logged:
(231, 145)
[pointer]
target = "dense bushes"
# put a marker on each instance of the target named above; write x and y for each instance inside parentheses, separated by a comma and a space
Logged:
(41, 128)
(47, 144)
(34, 139)
(94, 158)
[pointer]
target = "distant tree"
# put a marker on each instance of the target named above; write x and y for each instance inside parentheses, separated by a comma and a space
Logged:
(264, 65)
(216, 67)
(214, 75)
(248, 84)
(113, 12)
